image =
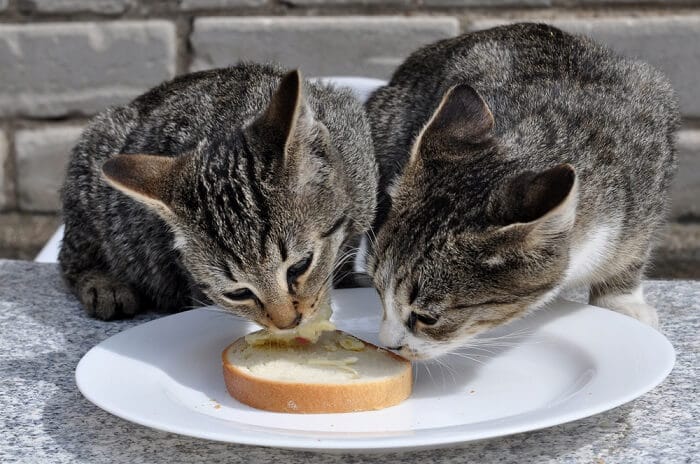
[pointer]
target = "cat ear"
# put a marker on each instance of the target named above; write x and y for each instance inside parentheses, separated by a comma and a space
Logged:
(286, 113)
(462, 118)
(146, 178)
(539, 205)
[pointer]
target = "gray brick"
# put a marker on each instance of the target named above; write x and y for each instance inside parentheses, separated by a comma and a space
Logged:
(349, 2)
(686, 187)
(52, 69)
(668, 42)
(23, 235)
(677, 253)
(3, 5)
(355, 46)
(487, 3)
(189, 5)
(75, 6)
(4, 181)
(42, 157)
(627, 2)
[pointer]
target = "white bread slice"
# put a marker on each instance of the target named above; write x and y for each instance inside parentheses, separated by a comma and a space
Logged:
(337, 374)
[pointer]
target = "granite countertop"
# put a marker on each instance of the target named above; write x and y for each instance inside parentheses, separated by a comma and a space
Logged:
(43, 418)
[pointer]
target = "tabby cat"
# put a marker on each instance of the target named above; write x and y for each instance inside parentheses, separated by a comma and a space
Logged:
(236, 186)
(514, 162)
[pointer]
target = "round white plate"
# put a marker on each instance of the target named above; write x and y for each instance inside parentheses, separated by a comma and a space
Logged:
(560, 364)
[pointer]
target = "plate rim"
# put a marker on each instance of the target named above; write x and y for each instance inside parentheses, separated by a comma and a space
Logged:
(368, 444)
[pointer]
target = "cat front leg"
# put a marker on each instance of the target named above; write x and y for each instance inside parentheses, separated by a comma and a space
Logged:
(104, 297)
(623, 293)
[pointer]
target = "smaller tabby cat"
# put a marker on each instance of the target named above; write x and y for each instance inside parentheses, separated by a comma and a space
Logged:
(259, 180)
(514, 163)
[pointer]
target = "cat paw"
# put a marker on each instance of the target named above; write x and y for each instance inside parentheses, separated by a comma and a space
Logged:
(104, 298)
(631, 305)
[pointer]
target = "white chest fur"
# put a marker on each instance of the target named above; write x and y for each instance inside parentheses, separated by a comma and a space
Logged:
(360, 264)
(588, 256)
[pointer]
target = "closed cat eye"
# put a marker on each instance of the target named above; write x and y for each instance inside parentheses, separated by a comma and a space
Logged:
(240, 295)
(422, 318)
(297, 269)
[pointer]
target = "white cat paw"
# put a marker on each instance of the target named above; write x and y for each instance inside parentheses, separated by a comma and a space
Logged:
(643, 313)
(632, 305)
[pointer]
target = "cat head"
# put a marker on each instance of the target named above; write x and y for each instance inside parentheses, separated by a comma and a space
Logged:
(472, 241)
(257, 214)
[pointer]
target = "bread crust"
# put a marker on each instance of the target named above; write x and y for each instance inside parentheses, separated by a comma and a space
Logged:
(309, 398)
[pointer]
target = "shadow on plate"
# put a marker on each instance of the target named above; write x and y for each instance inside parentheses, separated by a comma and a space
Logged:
(193, 359)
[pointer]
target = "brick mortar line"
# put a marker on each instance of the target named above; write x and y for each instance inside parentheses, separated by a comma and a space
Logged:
(22, 123)
(691, 124)
(583, 12)
(184, 54)
(11, 168)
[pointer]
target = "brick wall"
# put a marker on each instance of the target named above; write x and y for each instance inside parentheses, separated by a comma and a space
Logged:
(61, 61)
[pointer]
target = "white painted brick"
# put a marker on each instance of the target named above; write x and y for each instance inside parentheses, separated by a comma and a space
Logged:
(76, 6)
(53, 69)
(4, 180)
(42, 156)
(355, 46)
(670, 43)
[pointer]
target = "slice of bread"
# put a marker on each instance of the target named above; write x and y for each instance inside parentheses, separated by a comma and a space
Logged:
(339, 373)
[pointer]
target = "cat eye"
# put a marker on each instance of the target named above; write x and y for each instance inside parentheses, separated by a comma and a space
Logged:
(240, 295)
(297, 269)
(493, 302)
(422, 318)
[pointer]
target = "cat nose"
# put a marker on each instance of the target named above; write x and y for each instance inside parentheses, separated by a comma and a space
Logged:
(290, 325)
(295, 322)
(285, 319)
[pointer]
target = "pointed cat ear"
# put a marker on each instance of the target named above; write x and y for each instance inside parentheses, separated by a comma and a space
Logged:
(286, 112)
(146, 178)
(462, 118)
(537, 205)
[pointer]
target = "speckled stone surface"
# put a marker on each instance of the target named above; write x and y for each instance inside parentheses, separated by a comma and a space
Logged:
(43, 417)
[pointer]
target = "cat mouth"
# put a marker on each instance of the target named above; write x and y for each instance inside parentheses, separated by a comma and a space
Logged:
(408, 353)
(413, 355)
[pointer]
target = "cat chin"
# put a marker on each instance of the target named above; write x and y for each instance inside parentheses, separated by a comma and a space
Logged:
(423, 354)
(419, 349)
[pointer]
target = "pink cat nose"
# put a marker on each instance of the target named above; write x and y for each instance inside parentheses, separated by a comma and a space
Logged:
(284, 318)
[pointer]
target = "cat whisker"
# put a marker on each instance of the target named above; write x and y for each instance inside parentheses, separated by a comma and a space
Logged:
(480, 349)
(430, 374)
(462, 355)
(371, 237)
(446, 367)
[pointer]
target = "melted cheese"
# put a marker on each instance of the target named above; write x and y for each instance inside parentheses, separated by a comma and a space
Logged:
(342, 364)
(310, 331)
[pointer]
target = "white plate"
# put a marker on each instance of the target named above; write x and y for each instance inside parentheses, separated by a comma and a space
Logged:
(562, 364)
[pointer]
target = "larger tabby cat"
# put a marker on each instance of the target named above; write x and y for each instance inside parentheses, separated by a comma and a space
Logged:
(260, 178)
(515, 162)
